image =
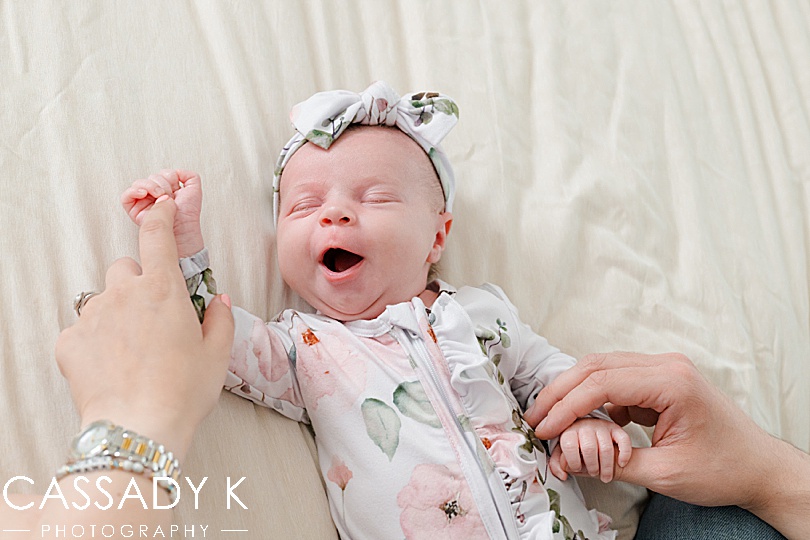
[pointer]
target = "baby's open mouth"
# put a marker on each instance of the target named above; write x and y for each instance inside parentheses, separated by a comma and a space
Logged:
(339, 260)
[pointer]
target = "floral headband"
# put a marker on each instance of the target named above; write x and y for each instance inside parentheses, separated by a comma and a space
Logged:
(424, 116)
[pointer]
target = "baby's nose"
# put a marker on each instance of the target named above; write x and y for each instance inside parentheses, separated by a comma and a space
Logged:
(334, 215)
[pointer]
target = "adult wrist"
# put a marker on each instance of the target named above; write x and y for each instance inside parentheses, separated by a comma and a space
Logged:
(174, 435)
(781, 487)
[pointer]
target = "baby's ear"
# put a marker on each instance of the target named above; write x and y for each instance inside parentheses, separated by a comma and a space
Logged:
(443, 223)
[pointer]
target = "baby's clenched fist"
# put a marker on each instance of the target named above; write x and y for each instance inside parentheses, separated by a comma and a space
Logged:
(185, 188)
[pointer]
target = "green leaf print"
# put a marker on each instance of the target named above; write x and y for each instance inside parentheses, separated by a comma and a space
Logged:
(320, 138)
(199, 306)
(382, 425)
(568, 530)
(554, 502)
(506, 341)
(412, 401)
(446, 106)
(192, 283)
(210, 283)
(484, 335)
(539, 444)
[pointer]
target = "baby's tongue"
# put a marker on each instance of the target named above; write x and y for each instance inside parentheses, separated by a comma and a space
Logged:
(345, 260)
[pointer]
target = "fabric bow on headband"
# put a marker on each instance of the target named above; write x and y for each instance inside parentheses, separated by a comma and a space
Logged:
(425, 116)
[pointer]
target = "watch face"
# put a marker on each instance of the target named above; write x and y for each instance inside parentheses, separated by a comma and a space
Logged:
(91, 439)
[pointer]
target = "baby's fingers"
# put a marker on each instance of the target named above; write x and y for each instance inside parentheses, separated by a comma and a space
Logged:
(178, 178)
(151, 187)
(138, 210)
(168, 183)
(569, 444)
(135, 200)
(622, 440)
(606, 453)
(589, 448)
(132, 194)
(554, 464)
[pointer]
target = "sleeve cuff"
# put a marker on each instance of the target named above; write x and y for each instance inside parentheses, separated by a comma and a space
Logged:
(191, 266)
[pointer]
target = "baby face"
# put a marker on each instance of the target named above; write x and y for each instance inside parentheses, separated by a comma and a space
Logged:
(360, 224)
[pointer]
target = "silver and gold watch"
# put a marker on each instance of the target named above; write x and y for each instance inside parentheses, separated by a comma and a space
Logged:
(132, 451)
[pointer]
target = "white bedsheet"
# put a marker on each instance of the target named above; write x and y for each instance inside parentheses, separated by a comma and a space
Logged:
(634, 174)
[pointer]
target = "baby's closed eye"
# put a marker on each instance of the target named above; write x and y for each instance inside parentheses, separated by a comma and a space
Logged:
(379, 197)
(305, 205)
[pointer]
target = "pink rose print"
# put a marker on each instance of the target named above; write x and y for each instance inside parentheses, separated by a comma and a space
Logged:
(327, 366)
(267, 364)
(340, 474)
(437, 503)
(264, 343)
(239, 363)
(502, 444)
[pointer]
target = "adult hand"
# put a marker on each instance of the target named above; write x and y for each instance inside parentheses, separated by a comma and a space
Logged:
(705, 450)
(137, 355)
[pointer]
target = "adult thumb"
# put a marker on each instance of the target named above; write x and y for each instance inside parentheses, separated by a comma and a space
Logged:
(217, 327)
(647, 468)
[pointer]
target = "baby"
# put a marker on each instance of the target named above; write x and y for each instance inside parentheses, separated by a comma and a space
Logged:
(414, 389)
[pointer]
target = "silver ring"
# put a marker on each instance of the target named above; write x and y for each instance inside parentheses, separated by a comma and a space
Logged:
(81, 299)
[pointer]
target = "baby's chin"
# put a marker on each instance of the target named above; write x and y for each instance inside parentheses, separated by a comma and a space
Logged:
(354, 311)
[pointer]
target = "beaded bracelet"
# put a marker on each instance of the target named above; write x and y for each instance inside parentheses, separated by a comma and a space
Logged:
(107, 463)
(103, 445)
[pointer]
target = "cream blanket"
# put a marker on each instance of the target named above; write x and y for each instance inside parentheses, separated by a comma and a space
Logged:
(634, 174)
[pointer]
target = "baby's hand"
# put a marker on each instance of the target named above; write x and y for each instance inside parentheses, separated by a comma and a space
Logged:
(186, 190)
(589, 444)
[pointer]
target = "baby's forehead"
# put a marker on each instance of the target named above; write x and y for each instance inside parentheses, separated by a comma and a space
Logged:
(364, 139)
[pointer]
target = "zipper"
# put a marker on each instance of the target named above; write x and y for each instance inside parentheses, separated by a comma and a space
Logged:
(417, 345)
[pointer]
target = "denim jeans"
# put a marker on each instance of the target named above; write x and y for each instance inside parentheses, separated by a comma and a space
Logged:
(668, 519)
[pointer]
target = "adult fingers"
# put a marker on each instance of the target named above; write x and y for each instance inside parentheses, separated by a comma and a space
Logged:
(652, 468)
(646, 387)
(574, 376)
(156, 238)
(218, 327)
(123, 268)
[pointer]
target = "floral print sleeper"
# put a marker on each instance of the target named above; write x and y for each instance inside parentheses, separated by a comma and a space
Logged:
(417, 414)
